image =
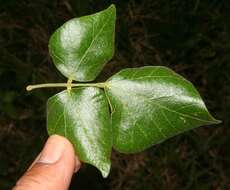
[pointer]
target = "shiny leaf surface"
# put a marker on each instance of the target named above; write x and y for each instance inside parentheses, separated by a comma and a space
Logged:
(82, 46)
(150, 105)
(82, 116)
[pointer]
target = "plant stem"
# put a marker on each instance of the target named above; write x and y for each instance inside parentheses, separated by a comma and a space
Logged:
(56, 85)
(69, 82)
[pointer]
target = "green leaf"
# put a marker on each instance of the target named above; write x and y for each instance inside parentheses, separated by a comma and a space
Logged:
(82, 116)
(150, 105)
(82, 46)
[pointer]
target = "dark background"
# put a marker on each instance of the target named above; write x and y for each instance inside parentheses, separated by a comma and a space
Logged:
(190, 36)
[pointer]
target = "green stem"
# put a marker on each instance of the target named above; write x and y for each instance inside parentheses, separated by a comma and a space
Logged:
(56, 85)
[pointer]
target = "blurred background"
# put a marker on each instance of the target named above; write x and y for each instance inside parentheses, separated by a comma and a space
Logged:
(190, 36)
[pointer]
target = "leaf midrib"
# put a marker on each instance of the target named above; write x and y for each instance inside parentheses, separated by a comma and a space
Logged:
(166, 108)
(87, 50)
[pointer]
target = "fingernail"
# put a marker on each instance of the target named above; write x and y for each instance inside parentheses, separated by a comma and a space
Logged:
(52, 151)
(35, 161)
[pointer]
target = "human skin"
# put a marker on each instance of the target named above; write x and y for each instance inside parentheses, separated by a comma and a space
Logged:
(53, 168)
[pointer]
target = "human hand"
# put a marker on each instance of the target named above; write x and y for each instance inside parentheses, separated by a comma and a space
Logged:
(53, 168)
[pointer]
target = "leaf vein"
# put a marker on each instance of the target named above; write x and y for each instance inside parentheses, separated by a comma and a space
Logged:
(163, 113)
(96, 36)
(166, 108)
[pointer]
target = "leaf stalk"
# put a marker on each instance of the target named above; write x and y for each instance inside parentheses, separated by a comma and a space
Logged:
(65, 85)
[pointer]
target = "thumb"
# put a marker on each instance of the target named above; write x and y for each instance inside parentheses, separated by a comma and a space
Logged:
(53, 169)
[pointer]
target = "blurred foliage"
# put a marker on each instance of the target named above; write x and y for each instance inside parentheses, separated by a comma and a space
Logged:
(191, 36)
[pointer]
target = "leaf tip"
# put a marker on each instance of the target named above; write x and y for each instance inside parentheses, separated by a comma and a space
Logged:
(216, 121)
(105, 169)
(112, 10)
(213, 120)
(112, 6)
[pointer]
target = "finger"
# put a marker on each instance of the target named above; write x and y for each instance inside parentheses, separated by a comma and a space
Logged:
(53, 169)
